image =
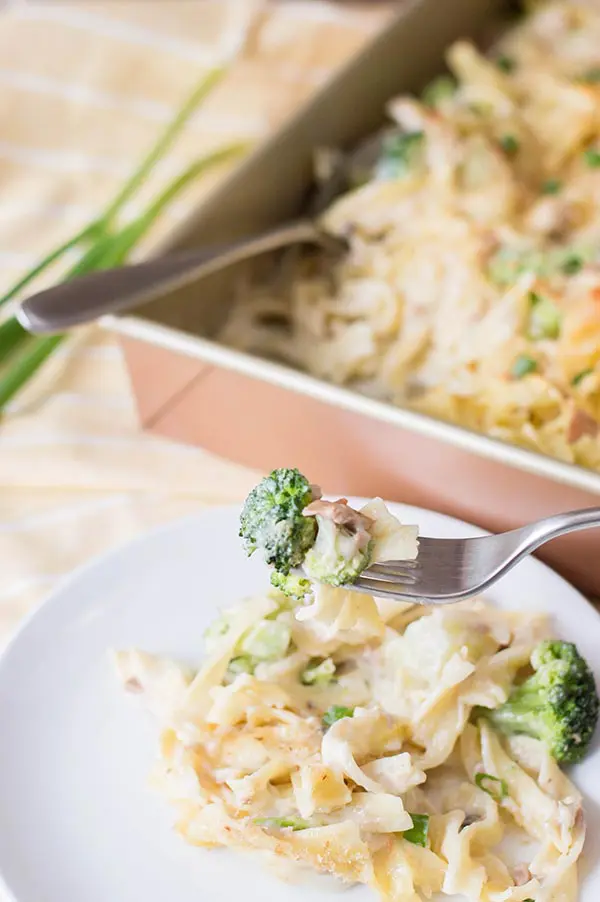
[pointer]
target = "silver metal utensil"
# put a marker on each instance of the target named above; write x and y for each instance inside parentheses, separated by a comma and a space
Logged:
(109, 291)
(91, 296)
(449, 570)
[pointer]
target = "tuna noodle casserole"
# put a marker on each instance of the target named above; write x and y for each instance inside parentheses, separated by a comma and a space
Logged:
(471, 289)
(415, 750)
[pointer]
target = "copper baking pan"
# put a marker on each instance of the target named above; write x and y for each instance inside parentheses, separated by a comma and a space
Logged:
(261, 414)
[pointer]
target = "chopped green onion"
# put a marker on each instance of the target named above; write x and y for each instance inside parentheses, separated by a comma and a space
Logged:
(438, 90)
(506, 63)
(267, 640)
(509, 144)
(419, 830)
(579, 377)
(545, 318)
(523, 366)
(319, 672)
(592, 158)
(282, 823)
(494, 786)
(551, 186)
(399, 154)
(241, 664)
(572, 265)
(335, 713)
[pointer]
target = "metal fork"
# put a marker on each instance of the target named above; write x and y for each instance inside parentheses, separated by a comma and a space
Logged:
(449, 570)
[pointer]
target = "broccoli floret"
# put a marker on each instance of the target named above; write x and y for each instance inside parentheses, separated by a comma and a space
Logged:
(338, 556)
(296, 587)
(557, 704)
(272, 520)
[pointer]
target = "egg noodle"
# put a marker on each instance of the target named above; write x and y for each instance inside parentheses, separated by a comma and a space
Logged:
(350, 749)
(471, 287)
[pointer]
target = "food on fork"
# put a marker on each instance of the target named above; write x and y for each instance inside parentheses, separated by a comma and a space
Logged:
(408, 748)
(288, 522)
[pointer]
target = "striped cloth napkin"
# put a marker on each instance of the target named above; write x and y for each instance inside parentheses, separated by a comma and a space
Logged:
(85, 88)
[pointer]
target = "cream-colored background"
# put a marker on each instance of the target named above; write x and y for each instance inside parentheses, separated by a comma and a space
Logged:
(85, 86)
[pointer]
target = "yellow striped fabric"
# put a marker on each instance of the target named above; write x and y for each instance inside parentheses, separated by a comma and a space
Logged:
(85, 87)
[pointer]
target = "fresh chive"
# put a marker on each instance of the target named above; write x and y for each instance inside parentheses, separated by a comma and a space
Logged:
(509, 144)
(35, 352)
(88, 233)
(494, 786)
(592, 157)
(100, 225)
(281, 823)
(103, 245)
(523, 366)
(164, 142)
(335, 713)
(194, 171)
(551, 186)
(506, 63)
(12, 337)
(109, 250)
(579, 377)
(419, 830)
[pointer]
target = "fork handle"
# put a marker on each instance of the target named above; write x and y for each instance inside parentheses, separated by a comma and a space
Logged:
(115, 290)
(559, 525)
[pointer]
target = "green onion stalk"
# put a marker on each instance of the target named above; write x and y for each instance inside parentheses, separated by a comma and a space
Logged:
(103, 243)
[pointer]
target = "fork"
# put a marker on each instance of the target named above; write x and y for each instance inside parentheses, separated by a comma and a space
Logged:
(449, 570)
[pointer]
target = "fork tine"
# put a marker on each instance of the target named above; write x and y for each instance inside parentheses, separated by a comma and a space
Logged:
(391, 576)
(393, 566)
(395, 570)
(383, 589)
(392, 585)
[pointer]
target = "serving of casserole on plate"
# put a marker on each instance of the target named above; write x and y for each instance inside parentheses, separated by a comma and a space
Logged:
(78, 819)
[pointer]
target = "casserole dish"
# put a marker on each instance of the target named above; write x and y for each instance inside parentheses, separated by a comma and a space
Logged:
(263, 414)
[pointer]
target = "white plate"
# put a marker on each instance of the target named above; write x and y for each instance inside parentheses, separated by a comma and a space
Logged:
(77, 821)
